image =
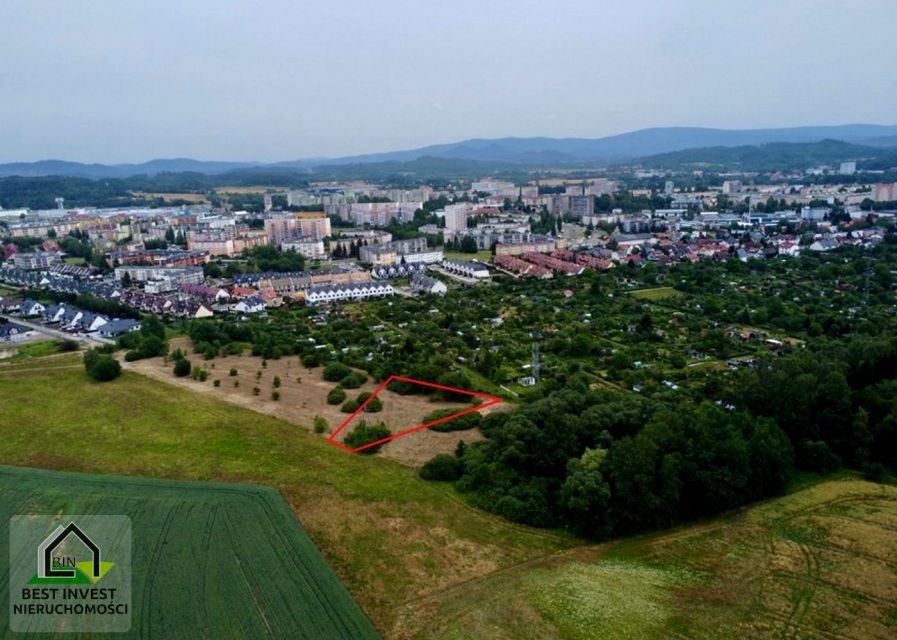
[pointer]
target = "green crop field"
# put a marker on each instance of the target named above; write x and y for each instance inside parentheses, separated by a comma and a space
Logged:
(212, 560)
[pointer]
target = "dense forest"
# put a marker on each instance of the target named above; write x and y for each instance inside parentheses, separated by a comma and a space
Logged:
(604, 463)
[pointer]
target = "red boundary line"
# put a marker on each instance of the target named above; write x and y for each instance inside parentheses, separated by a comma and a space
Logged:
(491, 400)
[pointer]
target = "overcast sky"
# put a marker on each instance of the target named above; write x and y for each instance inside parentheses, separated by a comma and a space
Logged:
(112, 81)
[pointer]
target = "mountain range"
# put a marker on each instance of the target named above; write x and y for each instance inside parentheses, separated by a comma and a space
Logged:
(522, 152)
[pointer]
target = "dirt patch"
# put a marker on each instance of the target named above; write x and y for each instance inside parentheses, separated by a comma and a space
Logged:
(303, 395)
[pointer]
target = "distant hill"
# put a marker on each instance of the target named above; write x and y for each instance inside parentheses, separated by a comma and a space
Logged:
(503, 151)
(98, 171)
(771, 157)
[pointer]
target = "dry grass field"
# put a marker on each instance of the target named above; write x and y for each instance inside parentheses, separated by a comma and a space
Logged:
(820, 563)
(303, 394)
(199, 198)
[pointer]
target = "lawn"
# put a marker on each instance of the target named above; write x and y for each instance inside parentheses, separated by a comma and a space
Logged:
(391, 537)
(482, 256)
(657, 293)
(33, 350)
(230, 560)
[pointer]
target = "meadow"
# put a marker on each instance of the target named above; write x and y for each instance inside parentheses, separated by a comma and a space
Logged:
(819, 563)
(423, 564)
(208, 560)
(389, 536)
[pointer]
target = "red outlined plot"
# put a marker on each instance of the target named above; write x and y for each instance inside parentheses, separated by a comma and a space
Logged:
(489, 401)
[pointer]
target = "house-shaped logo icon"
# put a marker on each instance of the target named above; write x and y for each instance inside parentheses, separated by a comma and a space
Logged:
(45, 565)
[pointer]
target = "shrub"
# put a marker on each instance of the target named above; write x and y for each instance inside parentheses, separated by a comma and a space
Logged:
(203, 375)
(354, 380)
(264, 364)
(461, 423)
(336, 371)
(101, 367)
(364, 434)
(321, 424)
(444, 468)
(256, 391)
(66, 346)
(310, 360)
(276, 382)
(349, 406)
(336, 396)
(216, 383)
(457, 380)
(374, 406)
(132, 355)
(182, 367)
(232, 372)
(236, 383)
(275, 395)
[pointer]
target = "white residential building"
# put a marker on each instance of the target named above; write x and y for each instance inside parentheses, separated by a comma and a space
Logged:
(324, 294)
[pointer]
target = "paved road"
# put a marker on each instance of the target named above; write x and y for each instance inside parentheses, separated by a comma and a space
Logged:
(56, 333)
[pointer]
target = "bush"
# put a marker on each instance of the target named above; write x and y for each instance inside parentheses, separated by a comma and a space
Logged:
(236, 383)
(67, 346)
(132, 355)
(336, 396)
(310, 360)
(276, 382)
(354, 380)
(275, 395)
(374, 406)
(216, 383)
(461, 423)
(232, 372)
(336, 371)
(101, 367)
(444, 468)
(349, 406)
(321, 424)
(364, 434)
(256, 391)
(182, 367)
(457, 380)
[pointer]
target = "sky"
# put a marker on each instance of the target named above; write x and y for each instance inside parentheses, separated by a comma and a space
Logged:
(110, 81)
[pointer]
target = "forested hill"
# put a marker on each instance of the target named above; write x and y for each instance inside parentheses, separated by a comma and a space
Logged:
(777, 156)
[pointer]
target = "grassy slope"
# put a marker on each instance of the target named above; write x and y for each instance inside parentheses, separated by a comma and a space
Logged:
(390, 536)
(821, 562)
(237, 547)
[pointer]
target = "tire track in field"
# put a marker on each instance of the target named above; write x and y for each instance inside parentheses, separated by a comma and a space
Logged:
(152, 570)
(250, 587)
(205, 555)
(309, 571)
